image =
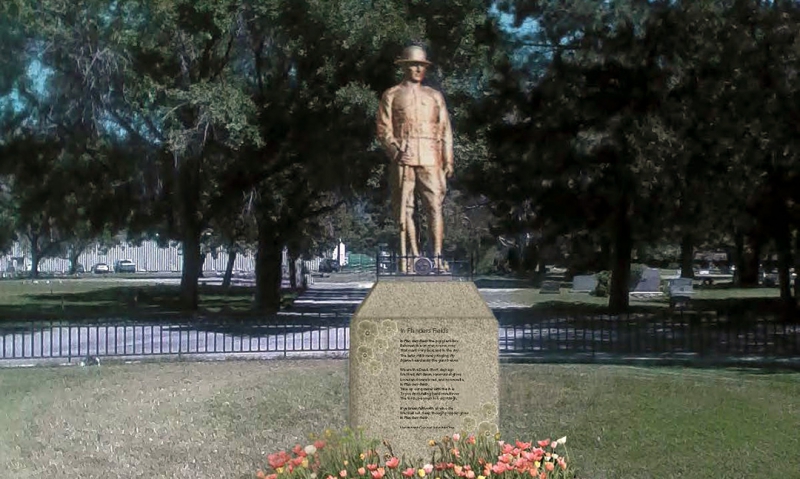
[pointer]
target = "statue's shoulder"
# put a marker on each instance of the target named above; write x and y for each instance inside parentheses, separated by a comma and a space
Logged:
(392, 91)
(432, 92)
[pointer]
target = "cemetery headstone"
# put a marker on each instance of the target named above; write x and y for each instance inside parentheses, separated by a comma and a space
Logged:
(649, 282)
(584, 283)
(423, 364)
(550, 287)
(680, 291)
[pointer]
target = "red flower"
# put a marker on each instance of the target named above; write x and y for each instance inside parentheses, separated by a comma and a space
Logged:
(378, 473)
(278, 459)
(393, 463)
(499, 468)
(298, 449)
(523, 445)
(372, 467)
(319, 444)
(544, 442)
(408, 472)
(538, 453)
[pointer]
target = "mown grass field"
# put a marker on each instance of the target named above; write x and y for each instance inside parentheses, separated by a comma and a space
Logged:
(220, 419)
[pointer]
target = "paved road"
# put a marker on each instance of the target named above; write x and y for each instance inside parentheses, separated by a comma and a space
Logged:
(324, 302)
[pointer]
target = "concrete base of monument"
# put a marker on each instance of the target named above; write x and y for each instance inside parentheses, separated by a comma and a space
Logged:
(423, 364)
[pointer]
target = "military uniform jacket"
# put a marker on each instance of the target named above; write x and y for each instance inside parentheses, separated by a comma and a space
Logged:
(414, 127)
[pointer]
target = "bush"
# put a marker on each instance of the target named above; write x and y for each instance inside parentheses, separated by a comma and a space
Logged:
(603, 284)
(350, 455)
(604, 280)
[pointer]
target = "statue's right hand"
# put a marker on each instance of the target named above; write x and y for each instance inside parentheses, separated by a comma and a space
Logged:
(395, 153)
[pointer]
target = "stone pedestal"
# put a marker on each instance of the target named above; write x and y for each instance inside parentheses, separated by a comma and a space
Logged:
(423, 364)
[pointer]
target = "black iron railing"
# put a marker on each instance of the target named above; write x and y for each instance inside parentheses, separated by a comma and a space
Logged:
(69, 340)
(394, 265)
(673, 334)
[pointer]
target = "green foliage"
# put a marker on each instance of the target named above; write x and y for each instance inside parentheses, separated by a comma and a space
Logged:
(637, 124)
(604, 280)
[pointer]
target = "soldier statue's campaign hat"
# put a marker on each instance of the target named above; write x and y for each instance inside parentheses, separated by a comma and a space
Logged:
(413, 54)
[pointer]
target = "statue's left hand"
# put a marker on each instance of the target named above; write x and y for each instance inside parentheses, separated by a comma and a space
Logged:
(448, 171)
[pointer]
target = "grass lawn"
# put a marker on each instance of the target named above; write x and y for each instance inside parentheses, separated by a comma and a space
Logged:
(218, 420)
(704, 299)
(87, 299)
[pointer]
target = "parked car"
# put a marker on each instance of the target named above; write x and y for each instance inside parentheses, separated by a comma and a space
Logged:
(329, 266)
(101, 268)
(124, 266)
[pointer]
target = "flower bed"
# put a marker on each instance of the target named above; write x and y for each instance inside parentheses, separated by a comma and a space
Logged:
(350, 455)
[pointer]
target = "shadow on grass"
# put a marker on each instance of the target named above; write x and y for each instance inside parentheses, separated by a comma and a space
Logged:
(733, 308)
(135, 303)
(498, 282)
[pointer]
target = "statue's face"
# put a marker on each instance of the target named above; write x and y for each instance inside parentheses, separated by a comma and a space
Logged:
(415, 72)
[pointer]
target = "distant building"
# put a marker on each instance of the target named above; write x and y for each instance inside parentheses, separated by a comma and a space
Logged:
(148, 257)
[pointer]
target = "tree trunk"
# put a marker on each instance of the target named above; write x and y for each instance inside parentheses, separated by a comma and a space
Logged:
(738, 257)
(268, 271)
(226, 280)
(191, 271)
(605, 254)
(293, 270)
(35, 259)
(618, 300)
(687, 255)
(36, 255)
(73, 263)
(751, 262)
(191, 228)
(74, 253)
(783, 243)
(797, 265)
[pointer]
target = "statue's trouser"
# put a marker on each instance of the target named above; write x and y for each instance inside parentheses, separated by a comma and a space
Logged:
(431, 184)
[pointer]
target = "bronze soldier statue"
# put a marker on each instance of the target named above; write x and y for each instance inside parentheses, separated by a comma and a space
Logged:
(414, 129)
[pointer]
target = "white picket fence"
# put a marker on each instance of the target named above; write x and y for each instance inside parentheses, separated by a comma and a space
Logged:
(148, 256)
